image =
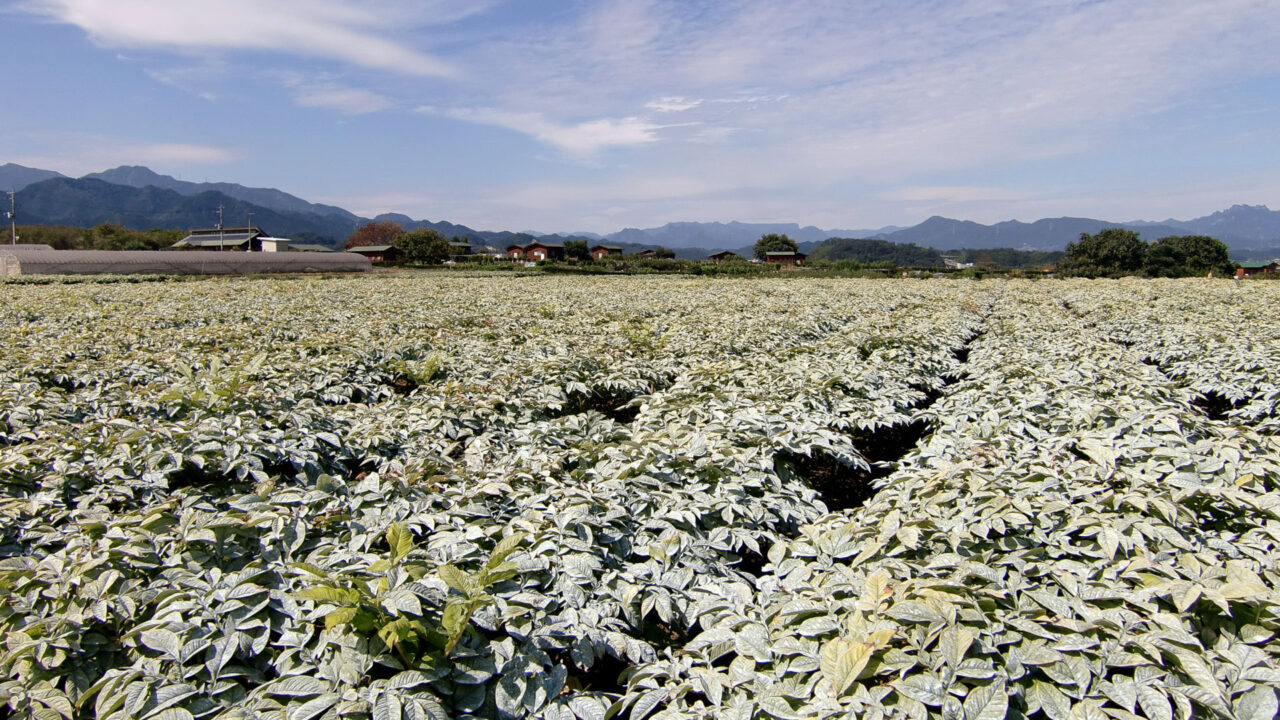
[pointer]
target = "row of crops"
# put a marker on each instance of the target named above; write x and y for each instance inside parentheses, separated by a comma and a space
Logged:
(578, 498)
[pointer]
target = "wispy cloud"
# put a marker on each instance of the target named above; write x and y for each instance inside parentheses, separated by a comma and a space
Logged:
(356, 33)
(581, 138)
(323, 91)
(346, 100)
(78, 154)
(672, 104)
(952, 194)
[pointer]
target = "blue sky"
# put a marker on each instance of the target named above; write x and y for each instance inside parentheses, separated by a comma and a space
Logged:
(569, 116)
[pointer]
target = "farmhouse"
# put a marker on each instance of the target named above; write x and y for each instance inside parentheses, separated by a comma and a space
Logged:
(647, 254)
(725, 256)
(543, 251)
(599, 252)
(785, 258)
(377, 253)
(1257, 269)
(536, 251)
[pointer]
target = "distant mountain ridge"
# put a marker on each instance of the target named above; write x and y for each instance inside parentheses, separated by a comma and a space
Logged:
(1047, 234)
(721, 236)
(270, 198)
(17, 177)
(85, 203)
(155, 200)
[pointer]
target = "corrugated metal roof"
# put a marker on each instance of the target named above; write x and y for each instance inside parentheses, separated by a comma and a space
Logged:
(228, 240)
(197, 262)
(370, 248)
(251, 230)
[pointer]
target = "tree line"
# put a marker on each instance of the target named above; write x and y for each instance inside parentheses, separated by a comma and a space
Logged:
(1116, 252)
(104, 236)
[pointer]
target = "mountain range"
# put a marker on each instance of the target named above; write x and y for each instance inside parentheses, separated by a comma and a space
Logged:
(137, 197)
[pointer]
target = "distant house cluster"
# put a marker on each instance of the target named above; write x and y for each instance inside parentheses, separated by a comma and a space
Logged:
(538, 250)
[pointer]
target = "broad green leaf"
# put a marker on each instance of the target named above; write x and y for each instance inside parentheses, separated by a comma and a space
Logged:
(339, 617)
(332, 595)
(986, 703)
(923, 688)
(161, 640)
(504, 548)
(456, 579)
(914, 611)
(1154, 703)
(313, 707)
(842, 662)
(400, 540)
(298, 686)
(1259, 703)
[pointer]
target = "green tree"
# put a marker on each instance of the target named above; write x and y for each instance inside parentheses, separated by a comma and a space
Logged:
(423, 245)
(1112, 252)
(1187, 256)
(664, 252)
(577, 250)
(773, 242)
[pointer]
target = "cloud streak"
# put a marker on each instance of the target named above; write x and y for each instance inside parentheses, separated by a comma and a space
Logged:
(350, 32)
(581, 139)
(79, 154)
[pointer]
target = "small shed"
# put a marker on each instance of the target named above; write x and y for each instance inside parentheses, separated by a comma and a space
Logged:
(377, 253)
(725, 256)
(647, 254)
(599, 252)
(515, 252)
(273, 244)
(1260, 268)
(785, 258)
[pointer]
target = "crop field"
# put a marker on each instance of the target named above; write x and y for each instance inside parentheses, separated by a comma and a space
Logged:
(581, 498)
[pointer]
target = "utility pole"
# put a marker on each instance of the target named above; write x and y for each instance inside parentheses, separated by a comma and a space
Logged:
(13, 220)
(222, 240)
(249, 243)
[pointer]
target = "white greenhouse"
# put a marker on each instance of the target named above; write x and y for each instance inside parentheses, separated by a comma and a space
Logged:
(191, 262)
